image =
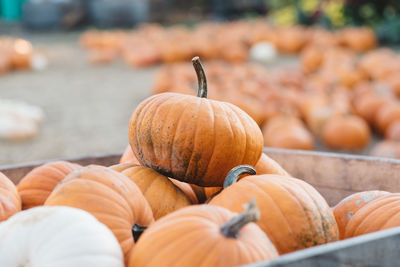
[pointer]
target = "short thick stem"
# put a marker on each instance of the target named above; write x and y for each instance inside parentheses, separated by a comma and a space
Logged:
(137, 231)
(201, 78)
(233, 226)
(236, 172)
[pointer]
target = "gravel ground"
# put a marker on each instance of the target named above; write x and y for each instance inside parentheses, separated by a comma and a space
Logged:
(87, 107)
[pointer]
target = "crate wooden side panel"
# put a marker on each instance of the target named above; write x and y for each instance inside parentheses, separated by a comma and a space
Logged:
(376, 249)
(336, 176)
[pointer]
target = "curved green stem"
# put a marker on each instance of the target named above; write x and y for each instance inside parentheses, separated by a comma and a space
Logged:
(236, 172)
(201, 78)
(250, 214)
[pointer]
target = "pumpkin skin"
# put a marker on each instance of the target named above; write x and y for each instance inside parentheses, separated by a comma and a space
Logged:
(162, 194)
(386, 115)
(293, 214)
(10, 201)
(108, 195)
(128, 156)
(57, 237)
(37, 185)
(347, 207)
(379, 214)
(266, 165)
(287, 132)
(186, 188)
(346, 132)
(193, 139)
(166, 242)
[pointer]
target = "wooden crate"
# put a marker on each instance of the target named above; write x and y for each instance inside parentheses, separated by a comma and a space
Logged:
(335, 176)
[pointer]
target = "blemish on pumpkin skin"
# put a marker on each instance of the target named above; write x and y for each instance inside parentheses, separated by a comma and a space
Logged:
(350, 215)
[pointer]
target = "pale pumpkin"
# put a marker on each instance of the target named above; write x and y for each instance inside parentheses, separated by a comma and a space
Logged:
(57, 237)
(203, 235)
(193, 139)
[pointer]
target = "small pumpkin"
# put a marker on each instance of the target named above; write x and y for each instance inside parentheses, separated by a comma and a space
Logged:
(193, 139)
(387, 114)
(347, 207)
(379, 214)
(287, 132)
(346, 132)
(57, 237)
(393, 131)
(293, 214)
(10, 201)
(36, 185)
(212, 234)
(108, 195)
(162, 194)
(128, 156)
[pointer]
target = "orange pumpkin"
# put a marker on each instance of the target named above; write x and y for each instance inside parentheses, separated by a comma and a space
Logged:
(10, 201)
(393, 131)
(287, 132)
(193, 139)
(162, 194)
(211, 233)
(293, 214)
(128, 156)
(36, 186)
(347, 207)
(266, 165)
(109, 196)
(387, 114)
(346, 132)
(379, 214)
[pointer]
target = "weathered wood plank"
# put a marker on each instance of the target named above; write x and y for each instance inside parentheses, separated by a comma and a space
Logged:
(380, 249)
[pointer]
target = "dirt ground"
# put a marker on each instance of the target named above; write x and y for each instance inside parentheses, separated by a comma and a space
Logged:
(87, 108)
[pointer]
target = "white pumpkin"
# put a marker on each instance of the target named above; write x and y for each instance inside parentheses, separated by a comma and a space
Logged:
(57, 237)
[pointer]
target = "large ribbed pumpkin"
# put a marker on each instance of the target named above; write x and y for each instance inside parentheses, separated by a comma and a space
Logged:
(108, 195)
(379, 214)
(293, 214)
(347, 207)
(193, 139)
(203, 235)
(37, 185)
(10, 201)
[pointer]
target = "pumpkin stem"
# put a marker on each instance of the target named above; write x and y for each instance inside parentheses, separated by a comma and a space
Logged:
(250, 214)
(236, 172)
(201, 78)
(137, 231)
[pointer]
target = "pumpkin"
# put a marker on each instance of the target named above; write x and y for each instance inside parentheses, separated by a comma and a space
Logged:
(57, 237)
(199, 192)
(379, 214)
(387, 114)
(347, 207)
(293, 214)
(311, 58)
(187, 189)
(215, 236)
(267, 165)
(128, 156)
(108, 195)
(346, 132)
(393, 131)
(10, 201)
(287, 132)
(368, 105)
(99, 56)
(193, 139)
(386, 149)
(162, 194)
(36, 185)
